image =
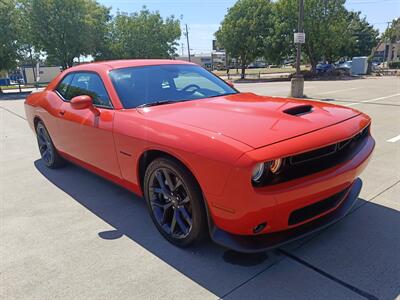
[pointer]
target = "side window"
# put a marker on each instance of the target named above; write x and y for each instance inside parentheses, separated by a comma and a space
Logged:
(63, 86)
(89, 84)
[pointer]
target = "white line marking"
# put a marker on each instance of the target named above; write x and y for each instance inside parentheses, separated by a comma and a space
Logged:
(337, 91)
(395, 139)
(372, 100)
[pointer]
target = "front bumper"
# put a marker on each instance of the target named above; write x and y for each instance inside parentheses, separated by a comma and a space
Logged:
(264, 242)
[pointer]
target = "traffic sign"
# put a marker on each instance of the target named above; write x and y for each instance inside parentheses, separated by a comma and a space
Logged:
(299, 37)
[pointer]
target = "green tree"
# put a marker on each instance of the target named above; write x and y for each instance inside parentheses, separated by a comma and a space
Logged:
(393, 32)
(141, 35)
(9, 45)
(325, 24)
(246, 30)
(67, 29)
(363, 36)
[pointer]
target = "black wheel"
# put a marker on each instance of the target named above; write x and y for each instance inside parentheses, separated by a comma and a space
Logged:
(47, 150)
(175, 202)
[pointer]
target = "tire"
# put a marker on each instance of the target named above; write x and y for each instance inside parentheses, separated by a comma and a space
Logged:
(47, 150)
(183, 202)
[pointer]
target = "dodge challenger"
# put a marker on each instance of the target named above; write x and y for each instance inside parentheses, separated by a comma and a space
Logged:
(249, 171)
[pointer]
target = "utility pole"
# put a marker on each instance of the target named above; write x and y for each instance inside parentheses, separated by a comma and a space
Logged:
(384, 59)
(299, 29)
(187, 40)
(297, 83)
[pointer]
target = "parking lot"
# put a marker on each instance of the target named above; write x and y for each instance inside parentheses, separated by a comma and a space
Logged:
(68, 234)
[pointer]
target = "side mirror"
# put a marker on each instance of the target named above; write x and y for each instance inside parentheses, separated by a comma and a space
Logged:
(81, 102)
(230, 83)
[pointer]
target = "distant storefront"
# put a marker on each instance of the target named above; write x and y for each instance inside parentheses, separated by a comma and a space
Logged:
(40, 75)
(387, 52)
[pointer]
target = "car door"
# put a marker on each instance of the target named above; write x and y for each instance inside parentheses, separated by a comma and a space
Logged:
(84, 134)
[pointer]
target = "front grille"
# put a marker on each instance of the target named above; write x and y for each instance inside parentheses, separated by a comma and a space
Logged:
(321, 152)
(328, 150)
(317, 160)
(313, 210)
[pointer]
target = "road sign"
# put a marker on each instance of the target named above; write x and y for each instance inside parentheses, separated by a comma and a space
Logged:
(299, 38)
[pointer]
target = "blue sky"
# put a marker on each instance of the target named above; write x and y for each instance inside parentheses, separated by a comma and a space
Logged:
(204, 16)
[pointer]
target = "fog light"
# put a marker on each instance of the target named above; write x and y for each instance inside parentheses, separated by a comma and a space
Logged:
(259, 227)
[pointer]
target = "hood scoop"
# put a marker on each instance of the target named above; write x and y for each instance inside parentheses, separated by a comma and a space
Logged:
(299, 110)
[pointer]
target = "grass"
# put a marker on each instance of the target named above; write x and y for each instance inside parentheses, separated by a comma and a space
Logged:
(261, 70)
(26, 86)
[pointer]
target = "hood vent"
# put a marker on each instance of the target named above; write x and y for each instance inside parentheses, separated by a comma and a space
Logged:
(298, 110)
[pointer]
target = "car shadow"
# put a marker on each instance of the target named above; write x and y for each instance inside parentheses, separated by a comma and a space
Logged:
(217, 269)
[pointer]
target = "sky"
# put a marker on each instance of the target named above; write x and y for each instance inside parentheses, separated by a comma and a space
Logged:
(203, 17)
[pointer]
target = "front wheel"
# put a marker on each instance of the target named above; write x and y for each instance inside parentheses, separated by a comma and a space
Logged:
(175, 202)
(47, 150)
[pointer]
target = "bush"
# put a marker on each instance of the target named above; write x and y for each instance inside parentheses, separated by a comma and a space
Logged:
(394, 65)
(307, 74)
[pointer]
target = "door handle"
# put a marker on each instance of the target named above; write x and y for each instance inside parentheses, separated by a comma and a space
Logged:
(62, 112)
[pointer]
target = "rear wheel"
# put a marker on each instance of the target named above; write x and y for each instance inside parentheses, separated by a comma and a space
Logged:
(47, 150)
(175, 202)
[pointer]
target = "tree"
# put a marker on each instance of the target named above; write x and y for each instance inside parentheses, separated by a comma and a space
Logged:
(325, 25)
(246, 29)
(141, 35)
(363, 36)
(67, 29)
(9, 46)
(393, 32)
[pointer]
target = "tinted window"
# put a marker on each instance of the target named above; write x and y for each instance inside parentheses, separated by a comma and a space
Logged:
(64, 84)
(89, 84)
(140, 85)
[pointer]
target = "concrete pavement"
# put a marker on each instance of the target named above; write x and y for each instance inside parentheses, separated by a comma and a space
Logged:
(68, 234)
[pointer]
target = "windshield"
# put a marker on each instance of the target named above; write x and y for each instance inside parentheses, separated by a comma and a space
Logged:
(138, 86)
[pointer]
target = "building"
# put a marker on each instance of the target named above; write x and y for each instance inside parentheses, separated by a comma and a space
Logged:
(212, 61)
(387, 52)
(40, 74)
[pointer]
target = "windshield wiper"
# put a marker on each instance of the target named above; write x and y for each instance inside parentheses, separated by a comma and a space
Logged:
(155, 103)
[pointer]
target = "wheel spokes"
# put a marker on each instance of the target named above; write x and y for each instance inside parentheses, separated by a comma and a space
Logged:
(177, 185)
(184, 228)
(160, 181)
(185, 215)
(168, 179)
(169, 199)
(173, 223)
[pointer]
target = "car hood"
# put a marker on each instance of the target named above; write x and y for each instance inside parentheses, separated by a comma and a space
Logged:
(253, 120)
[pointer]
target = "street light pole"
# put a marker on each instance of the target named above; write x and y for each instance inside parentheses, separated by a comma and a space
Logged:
(297, 83)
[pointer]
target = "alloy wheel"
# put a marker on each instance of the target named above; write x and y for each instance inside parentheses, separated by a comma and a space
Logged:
(170, 203)
(45, 147)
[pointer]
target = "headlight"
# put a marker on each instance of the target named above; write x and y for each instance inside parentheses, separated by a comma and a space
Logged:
(261, 170)
(258, 171)
(275, 166)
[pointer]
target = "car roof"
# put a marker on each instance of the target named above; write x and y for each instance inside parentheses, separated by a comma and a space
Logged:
(126, 63)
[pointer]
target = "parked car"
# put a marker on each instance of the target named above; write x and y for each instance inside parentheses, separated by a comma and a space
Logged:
(252, 172)
(324, 68)
(344, 67)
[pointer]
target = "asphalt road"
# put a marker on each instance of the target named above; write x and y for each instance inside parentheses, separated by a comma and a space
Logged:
(68, 234)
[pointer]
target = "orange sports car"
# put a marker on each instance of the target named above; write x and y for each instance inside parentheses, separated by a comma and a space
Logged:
(251, 172)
